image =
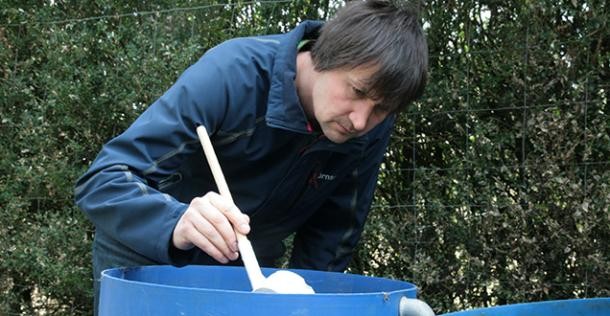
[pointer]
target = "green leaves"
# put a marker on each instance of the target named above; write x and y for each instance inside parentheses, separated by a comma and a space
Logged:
(495, 189)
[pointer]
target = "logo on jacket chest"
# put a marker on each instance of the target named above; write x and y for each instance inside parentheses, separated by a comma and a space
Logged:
(317, 177)
(326, 177)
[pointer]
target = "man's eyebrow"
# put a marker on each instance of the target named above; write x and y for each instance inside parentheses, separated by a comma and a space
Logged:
(372, 94)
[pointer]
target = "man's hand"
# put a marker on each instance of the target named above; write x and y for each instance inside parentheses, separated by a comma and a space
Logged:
(209, 224)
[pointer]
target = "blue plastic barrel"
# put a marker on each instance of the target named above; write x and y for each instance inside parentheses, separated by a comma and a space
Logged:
(223, 290)
(573, 307)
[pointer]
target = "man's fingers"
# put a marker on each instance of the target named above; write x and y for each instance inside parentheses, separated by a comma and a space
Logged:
(201, 242)
(205, 226)
(239, 220)
(210, 223)
(218, 231)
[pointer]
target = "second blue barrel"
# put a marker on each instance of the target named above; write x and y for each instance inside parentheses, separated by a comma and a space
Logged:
(571, 307)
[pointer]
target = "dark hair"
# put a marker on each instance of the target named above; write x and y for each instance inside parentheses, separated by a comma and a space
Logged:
(380, 33)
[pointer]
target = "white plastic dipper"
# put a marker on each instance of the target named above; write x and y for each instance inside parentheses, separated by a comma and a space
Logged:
(283, 282)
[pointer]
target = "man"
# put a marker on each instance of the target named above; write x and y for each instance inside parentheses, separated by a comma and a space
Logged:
(300, 123)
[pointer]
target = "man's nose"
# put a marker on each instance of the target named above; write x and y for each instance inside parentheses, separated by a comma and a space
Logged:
(359, 117)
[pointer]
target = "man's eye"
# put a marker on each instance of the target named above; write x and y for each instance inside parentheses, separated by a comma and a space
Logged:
(359, 93)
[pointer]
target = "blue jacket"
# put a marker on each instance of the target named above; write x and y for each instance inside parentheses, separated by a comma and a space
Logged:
(287, 178)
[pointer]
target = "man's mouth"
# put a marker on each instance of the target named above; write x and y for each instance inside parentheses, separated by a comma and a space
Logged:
(344, 130)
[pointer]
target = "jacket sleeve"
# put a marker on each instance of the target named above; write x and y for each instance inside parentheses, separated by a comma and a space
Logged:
(119, 192)
(327, 240)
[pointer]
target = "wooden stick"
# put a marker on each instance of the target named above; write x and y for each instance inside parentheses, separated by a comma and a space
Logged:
(245, 247)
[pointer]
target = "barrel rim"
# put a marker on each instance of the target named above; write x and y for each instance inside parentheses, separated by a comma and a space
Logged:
(410, 288)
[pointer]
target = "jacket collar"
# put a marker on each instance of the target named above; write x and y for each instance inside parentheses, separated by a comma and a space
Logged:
(284, 109)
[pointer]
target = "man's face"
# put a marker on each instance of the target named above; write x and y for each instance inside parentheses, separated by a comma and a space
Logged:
(342, 105)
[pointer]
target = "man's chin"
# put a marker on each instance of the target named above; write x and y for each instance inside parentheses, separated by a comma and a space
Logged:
(337, 138)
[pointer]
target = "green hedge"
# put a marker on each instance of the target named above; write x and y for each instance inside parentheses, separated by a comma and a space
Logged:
(495, 189)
